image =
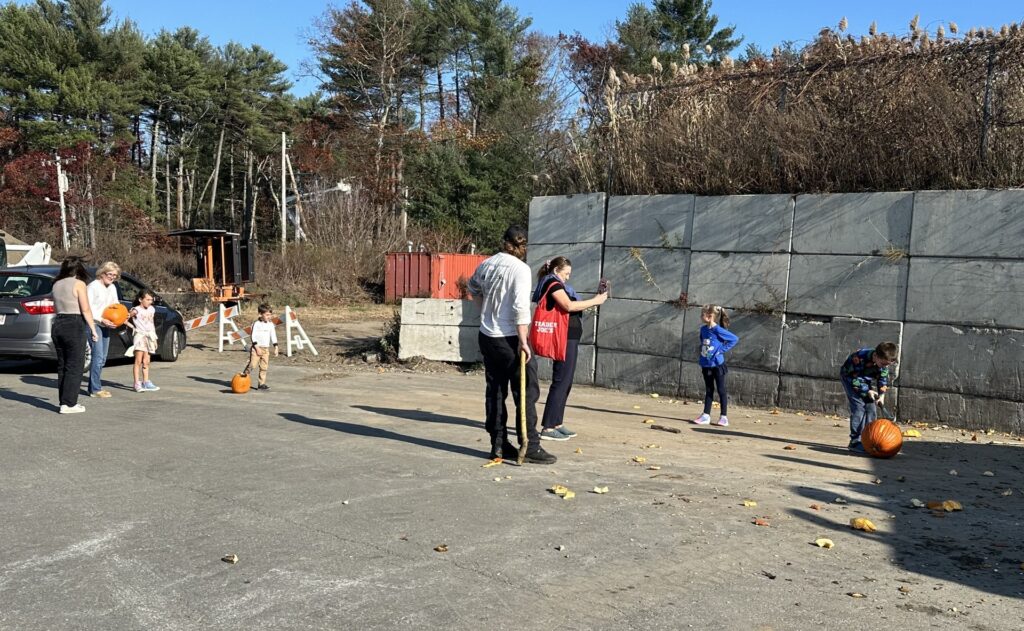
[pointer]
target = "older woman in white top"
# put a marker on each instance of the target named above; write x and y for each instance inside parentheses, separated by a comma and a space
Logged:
(71, 303)
(102, 294)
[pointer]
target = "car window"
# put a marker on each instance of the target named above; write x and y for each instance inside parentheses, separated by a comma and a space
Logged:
(127, 289)
(24, 285)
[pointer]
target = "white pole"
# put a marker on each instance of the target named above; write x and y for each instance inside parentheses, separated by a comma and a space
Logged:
(63, 210)
(284, 202)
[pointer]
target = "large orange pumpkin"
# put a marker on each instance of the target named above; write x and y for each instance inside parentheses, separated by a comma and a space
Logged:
(241, 383)
(882, 439)
(117, 313)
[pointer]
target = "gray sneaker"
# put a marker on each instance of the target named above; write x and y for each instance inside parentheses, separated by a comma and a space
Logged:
(552, 434)
(568, 433)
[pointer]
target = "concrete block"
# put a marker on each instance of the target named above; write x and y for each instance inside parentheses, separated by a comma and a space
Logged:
(652, 328)
(743, 223)
(968, 223)
(585, 258)
(439, 311)
(818, 347)
(852, 223)
(654, 221)
(760, 336)
(823, 396)
(750, 281)
(817, 395)
(584, 366)
(635, 372)
(964, 360)
(967, 291)
(439, 343)
(841, 285)
(746, 387)
(647, 273)
(962, 411)
(567, 219)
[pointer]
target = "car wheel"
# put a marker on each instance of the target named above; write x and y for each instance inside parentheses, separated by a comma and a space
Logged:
(170, 350)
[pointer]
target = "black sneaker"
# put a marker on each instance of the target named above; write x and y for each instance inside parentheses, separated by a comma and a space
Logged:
(508, 450)
(263, 387)
(539, 456)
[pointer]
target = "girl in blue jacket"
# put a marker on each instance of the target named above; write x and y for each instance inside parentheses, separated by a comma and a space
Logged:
(715, 341)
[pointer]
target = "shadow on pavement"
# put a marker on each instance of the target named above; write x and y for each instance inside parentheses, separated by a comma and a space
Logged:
(979, 547)
(36, 402)
(627, 412)
(376, 432)
(27, 366)
(217, 382)
(420, 415)
(731, 432)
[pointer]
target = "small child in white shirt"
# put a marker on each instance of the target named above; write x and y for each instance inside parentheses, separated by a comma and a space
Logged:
(264, 335)
(144, 340)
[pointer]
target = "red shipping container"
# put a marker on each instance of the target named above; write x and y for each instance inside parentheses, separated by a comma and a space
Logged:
(424, 275)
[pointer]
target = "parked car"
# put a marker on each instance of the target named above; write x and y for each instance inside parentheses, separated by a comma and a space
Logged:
(26, 312)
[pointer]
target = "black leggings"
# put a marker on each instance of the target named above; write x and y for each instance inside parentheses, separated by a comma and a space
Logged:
(715, 378)
(68, 334)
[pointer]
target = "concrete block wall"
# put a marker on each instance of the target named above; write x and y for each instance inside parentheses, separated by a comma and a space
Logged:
(808, 278)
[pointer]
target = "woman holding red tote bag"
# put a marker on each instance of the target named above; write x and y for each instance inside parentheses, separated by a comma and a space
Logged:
(558, 317)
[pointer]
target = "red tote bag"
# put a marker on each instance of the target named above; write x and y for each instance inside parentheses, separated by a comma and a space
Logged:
(549, 331)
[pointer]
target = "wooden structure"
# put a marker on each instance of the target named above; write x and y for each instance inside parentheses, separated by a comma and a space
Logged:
(224, 262)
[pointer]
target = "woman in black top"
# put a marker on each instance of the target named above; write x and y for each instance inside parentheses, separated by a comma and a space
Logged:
(553, 280)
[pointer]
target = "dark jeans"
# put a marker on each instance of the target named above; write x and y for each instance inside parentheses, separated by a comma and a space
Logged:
(561, 384)
(501, 368)
(861, 412)
(715, 378)
(68, 333)
(99, 350)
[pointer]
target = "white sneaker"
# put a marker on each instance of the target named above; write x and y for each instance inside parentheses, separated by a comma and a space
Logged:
(75, 409)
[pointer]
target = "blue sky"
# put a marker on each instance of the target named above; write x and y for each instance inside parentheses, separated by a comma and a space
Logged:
(283, 27)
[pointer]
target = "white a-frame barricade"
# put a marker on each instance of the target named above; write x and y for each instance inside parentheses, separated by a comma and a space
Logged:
(294, 335)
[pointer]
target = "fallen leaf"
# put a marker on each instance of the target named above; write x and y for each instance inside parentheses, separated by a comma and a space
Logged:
(775, 412)
(716, 405)
(498, 479)
(600, 490)
(1007, 492)
(911, 433)
(877, 481)
(761, 522)
(648, 421)
(974, 437)
(492, 463)
(749, 503)
(230, 558)
(855, 595)
(578, 450)
(989, 432)
(441, 548)
(636, 407)
(862, 523)
(654, 467)
(916, 503)
(839, 500)
(934, 506)
(569, 495)
(837, 424)
(654, 395)
(559, 489)
(789, 447)
(988, 474)
(952, 505)
(814, 507)
(953, 472)
(639, 459)
(904, 589)
(824, 543)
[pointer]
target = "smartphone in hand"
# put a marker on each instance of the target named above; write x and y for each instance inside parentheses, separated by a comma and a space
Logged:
(602, 286)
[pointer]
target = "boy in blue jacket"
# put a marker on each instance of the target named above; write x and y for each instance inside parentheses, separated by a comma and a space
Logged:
(865, 378)
(715, 342)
